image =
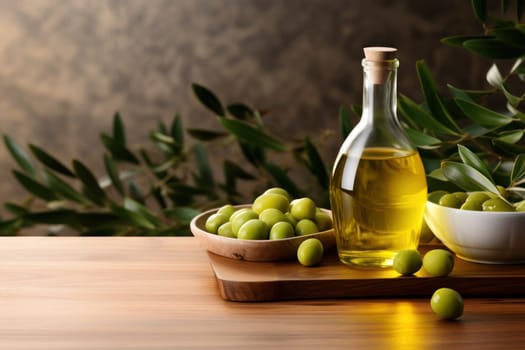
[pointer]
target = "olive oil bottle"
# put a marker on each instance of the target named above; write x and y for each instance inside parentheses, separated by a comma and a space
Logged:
(378, 187)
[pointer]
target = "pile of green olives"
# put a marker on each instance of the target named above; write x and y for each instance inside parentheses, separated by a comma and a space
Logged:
(479, 200)
(272, 215)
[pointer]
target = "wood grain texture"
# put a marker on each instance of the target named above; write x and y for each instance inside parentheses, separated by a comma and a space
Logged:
(160, 293)
(248, 281)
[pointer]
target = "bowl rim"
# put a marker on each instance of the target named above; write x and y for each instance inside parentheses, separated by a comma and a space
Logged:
(193, 225)
(501, 213)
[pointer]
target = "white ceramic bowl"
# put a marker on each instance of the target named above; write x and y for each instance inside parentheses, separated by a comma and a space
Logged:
(254, 250)
(484, 237)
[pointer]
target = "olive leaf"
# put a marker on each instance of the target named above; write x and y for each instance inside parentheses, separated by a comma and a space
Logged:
(232, 172)
(492, 48)
(50, 161)
(251, 135)
(418, 116)
(483, 116)
(63, 189)
(471, 159)
(208, 99)
(183, 214)
(113, 175)
(480, 9)
(458, 40)
(421, 139)
(494, 77)
(20, 156)
(432, 98)
(466, 177)
(91, 187)
(203, 167)
(510, 35)
(469, 95)
(34, 187)
(518, 170)
(177, 133)
(118, 150)
(119, 134)
(206, 135)
(132, 217)
(240, 111)
(138, 208)
(510, 136)
(16, 209)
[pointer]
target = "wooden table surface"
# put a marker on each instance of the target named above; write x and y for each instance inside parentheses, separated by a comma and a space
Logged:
(160, 293)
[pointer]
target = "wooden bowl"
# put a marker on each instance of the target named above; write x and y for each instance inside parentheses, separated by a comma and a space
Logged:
(254, 250)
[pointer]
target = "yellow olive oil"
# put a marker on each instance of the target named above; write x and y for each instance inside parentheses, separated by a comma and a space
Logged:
(377, 203)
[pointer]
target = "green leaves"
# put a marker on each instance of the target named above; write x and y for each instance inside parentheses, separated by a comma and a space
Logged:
(492, 48)
(480, 9)
(251, 135)
(208, 99)
(518, 170)
(434, 102)
(483, 116)
(34, 187)
(418, 116)
(19, 155)
(471, 159)
(466, 177)
(158, 190)
(471, 175)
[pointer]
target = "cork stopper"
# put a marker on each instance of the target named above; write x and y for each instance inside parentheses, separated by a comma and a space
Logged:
(379, 56)
(380, 53)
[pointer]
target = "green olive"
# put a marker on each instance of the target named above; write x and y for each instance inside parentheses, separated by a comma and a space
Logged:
(253, 229)
(225, 230)
(323, 220)
(227, 210)
(214, 221)
(303, 208)
(471, 206)
(435, 196)
(438, 262)
(497, 204)
(281, 230)
(270, 200)
(520, 206)
(407, 262)
(240, 219)
(462, 196)
(289, 217)
(447, 303)
(238, 212)
(474, 201)
(306, 227)
(271, 216)
(310, 252)
(280, 191)
(450, 200)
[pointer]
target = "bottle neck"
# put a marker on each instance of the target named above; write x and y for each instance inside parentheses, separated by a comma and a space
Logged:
(380, 91)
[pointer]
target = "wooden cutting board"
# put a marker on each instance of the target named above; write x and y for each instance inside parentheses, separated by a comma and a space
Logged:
(264, 281)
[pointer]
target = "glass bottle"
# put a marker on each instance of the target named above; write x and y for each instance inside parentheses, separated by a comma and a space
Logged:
(378, 187)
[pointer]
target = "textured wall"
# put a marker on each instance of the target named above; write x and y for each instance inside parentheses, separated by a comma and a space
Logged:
(67, 66)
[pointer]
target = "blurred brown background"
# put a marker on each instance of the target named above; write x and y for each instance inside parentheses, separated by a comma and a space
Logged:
(67, 66)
